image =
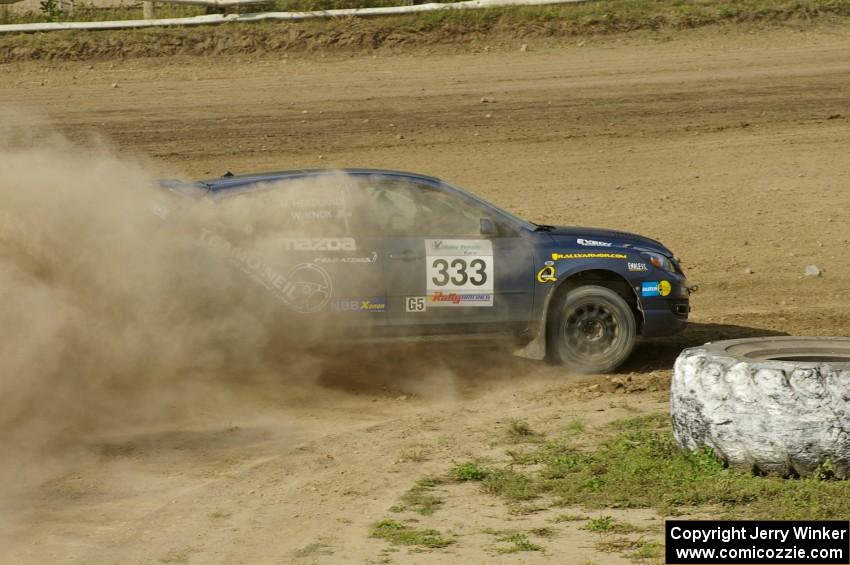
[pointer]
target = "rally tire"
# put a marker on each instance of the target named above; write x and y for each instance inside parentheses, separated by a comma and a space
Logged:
(592, 330)
(778, 405)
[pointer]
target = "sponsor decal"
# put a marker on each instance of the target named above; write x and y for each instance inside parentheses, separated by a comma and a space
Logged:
(334, 200)
(638, 267)
(313, 288)
(593, 243)
(320, 244)
(371, 258)
(305, 288)
(656, 288)
(440, 298)
(375, 304)
(560, 256)
(308, 215)
(160, 211)
(331, 207)
(415, 304)
(459, 267)
(547, 274)
(458, 247)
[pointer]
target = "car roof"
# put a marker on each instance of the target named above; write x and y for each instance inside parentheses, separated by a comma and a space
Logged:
(231, 182)
(235, 184)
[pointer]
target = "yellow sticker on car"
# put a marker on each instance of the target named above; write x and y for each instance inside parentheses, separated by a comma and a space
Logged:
(547, 274)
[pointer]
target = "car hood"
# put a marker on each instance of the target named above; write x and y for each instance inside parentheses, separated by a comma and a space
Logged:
(571, 235)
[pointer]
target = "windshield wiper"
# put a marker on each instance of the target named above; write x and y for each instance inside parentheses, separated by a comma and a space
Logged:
(543, 227)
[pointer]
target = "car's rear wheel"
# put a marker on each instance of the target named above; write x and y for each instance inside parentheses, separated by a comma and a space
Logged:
(593, 330)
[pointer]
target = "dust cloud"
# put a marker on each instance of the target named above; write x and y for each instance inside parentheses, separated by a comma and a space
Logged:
(128, 306)
(143, 328)
(124, 304)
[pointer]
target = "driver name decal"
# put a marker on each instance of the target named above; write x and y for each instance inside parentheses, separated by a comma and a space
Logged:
(319, 244)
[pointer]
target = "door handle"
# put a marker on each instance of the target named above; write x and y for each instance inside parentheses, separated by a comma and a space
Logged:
(406, 255)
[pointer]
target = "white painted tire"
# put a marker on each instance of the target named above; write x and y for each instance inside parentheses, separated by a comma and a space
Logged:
(773, 405)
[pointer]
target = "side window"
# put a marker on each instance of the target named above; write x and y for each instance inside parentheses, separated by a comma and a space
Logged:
(409, 209)
(324, 207)
(393, 207)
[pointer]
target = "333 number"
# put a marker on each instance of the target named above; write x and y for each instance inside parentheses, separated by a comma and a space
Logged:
(459, 272)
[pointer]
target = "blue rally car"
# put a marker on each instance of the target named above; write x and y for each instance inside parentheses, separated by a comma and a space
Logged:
(392, 254)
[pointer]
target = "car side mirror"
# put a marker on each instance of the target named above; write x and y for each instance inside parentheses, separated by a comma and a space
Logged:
(489, 228)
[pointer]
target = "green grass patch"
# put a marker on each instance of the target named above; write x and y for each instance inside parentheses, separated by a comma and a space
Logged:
(639, 550)
(637, 465)
(420, 498)
(519, 430)
(599, 525)
(608, 525)
(575, 426)
(469, 471)
(400, 534)
(560, 518)
(520, 509)
(511, 485)
(646, 550)
(518, 542)
(543, 532)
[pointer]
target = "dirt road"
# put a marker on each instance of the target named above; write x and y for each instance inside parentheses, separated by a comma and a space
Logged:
(731, 148)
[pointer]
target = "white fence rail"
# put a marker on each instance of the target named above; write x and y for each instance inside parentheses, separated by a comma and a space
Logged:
(224, 18)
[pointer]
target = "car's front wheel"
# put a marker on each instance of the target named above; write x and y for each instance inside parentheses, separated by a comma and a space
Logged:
(593, 330)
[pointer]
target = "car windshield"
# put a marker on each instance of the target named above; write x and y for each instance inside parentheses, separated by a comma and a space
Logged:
(492, 207)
